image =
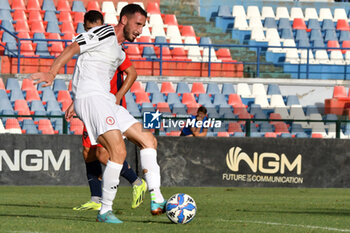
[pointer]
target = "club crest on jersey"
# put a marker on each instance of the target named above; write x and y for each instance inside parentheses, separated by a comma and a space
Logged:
(110, 120)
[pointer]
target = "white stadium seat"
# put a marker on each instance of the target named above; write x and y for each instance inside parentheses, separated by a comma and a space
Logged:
(120, 6)
(267, 11)
(310, 13)
(296, 12)
(282, 12)
(238, 10)
(108, 7)
(243, 90)
(325, 13)
(253, 12)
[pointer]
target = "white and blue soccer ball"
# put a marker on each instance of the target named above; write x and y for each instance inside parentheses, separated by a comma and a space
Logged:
(181, 208)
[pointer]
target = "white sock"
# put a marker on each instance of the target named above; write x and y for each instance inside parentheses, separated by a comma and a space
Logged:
(149, 162)
(110, 182)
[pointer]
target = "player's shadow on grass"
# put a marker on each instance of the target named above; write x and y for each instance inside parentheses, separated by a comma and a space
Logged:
(54, 217)
(330, 212)
(34, 206)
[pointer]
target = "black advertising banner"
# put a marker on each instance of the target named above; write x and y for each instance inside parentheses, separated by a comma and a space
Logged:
(186, 161)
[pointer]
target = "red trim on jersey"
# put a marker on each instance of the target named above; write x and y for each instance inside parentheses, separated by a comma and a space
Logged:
(118, 78)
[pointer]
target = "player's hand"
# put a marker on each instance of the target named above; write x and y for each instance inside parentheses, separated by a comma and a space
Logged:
(46, 77)
(69, 112)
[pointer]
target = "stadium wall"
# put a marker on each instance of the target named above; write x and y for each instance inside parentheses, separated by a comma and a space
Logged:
(227, 162)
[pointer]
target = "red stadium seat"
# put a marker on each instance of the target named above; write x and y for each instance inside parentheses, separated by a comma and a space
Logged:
(234, 127)
(270, 135)
(64, 98)
(133, 51)
(65, 16)
(32, 94)
(144, 39)
(45, 126)
(28, 49)
(197, 88)
(275, 116)
(18, 5)
(63, 5)
(142, 97)
(173, 133)
(299, 24)
(19, 15)
(163, 107)
(235, 100)
(56, 49)
(27, 84)
(333, 44)
(2, 85)
(188, 98)
(37, 26)
(33, 5)
(192, 107)
(67, 27)
(179, 53)
(223, 54)
(281, 127)
(78, 17)
(34, 16)
(187, 30)
(244, 115)
(24, 35)
(22, 26)
(339, 92)
(137, 87)
(12, 123)
(77, 126)
(167, 87)
(166, 54)
(153, 8)
(93, 5)
(342, 25)
(223, 134)
(346, 44)
(22, 108)
(170, 20)
(316, 135)
(68, 36)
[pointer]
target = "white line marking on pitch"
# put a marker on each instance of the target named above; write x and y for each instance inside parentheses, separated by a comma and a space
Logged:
(288, 225)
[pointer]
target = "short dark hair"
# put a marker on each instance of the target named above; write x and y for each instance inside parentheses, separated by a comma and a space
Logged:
(93, 16)
(131, 9)
(202, 109)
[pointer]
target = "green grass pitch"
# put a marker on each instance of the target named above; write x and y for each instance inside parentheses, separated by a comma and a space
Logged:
(49, 209)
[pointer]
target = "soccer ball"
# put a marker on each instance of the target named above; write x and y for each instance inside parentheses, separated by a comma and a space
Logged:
(181, 208)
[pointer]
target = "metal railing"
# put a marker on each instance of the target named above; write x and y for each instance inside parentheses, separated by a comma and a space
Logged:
(258, 63)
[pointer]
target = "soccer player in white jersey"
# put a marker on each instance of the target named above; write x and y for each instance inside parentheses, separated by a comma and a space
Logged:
(100, 53)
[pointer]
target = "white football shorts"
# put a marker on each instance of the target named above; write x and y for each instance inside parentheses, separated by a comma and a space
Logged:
(100, 115)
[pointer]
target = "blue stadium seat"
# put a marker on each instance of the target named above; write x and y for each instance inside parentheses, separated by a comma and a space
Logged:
(225, 108)
(157, 97)
(270, 23)
(314, 24)
(204, 99)
(301, 135)
(344, 35)
(310, 109)
(52, 105)
(219, 99)
(147, 107)
(37, 105)
(48, 95)
(42, 49)
(286, 135)
(78, 6)
(301, 35)
(296, 128)
(315, 34)
(205, 40)
(39, 113)
(8, 38)
(129, 98)
(327, 24)
(11, 49)
(50, 16)
(182, 87)
(39, 35)
(56, 113)
(303, 43)
(319, 43)
(239, 134)
(179, 108)
(330, 35)
(284, 23)
(292, 99)
(227, 88)
(59, 84)
(149, 53)
(8, 25)
(265, 127)
(29, 126)
(273, 89)
(152, 87)
(287, 33)
(173, 98)
(40, 87)
(16, 94)
(4, 4)
(53, 27)
(12, 83)
(5, 14)
(48, 5)
(57, 123)
(213, 88)
(80, 28)
(160, 40)
(5, 103)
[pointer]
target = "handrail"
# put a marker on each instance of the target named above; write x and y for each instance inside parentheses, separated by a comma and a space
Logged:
(248, 121)
(260, 49)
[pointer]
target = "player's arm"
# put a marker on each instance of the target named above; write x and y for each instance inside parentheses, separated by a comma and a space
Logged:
(131, 76)
(59, 62)
(196, 132)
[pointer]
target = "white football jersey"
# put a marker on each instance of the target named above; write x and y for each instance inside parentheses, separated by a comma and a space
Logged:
(100, 56)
